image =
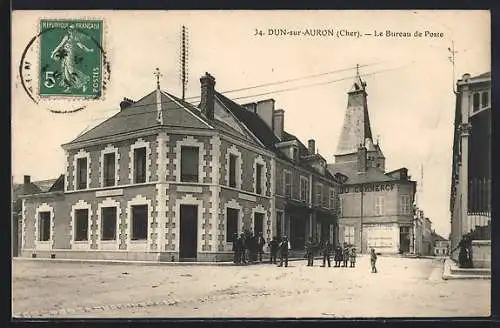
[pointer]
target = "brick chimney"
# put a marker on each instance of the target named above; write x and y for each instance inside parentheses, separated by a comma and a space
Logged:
(278, 122)
(361, 159)
(311, 145)
(27, 179)
(126, 103)
(26, 185)
(252, 107)
(207, 95)
(265, 110)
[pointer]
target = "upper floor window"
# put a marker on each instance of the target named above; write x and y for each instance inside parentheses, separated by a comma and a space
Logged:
(81, 225)
(331, 199)
(81, 175)
(304, 189)
(44, 226)
(189, 164)
(140, 165)
(259, 168)
(379, 205)
(405, 204)
(341, 206)
(232, 170)
(109, 169)
(475, 102)
(288, 183)
(485, 99)
(318, 194)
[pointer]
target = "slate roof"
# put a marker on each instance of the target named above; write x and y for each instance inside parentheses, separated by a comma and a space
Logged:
(373, 174)
(266, 135)
(142, 115)
(252, 121)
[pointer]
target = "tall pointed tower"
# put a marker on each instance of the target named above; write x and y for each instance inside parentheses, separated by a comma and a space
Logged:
(356, 134)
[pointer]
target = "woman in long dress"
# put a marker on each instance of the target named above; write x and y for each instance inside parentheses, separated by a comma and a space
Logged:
(72, 78)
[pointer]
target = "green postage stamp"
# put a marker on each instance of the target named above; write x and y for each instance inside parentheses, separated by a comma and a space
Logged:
(71, 58)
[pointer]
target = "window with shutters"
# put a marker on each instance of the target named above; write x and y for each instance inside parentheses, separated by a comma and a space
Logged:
(379, 205)
(304, 189)
(318, 194)
(189, 164)
(287, 183)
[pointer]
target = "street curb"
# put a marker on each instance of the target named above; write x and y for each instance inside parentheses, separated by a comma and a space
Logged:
(142, 263)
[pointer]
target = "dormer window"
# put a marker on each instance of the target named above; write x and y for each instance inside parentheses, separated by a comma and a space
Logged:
(295, 153)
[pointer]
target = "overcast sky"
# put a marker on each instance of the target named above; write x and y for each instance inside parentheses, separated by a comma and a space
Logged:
(409, 80)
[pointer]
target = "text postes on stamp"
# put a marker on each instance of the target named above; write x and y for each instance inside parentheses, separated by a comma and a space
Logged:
(71, 58)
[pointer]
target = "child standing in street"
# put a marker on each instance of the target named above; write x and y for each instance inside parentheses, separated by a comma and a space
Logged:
(353, 257)
(373, 259)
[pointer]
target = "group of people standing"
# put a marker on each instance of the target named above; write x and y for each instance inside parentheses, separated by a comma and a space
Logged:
(343, 256)
(249, 248)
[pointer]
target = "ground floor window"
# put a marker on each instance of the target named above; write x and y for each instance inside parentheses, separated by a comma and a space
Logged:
(81, 224)
(349, 235)
(231, 223)
(108, 223)
(139, 222)
(44, 226)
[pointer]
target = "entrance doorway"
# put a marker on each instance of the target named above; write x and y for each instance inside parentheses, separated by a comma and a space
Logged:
(325, 231)
(297, 233)
(188, 232)
(258, 223)
(404, 239)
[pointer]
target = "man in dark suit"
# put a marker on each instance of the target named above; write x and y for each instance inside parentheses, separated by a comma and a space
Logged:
(284, 247)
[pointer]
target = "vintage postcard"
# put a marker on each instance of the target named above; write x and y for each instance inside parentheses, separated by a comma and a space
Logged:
(239, 164)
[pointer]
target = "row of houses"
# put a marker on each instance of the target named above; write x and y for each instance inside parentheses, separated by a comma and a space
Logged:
(164, 180)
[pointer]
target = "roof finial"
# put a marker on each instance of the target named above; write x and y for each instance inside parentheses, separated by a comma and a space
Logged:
(357, 70)
(158, 74)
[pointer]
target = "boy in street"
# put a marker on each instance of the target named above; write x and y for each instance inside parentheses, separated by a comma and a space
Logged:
(338, 256)
(373, 260)
(284, 246)
(274, 246)
(345, 255)
(326, 249)
(353, 257)
(310, 252)
(260, 246)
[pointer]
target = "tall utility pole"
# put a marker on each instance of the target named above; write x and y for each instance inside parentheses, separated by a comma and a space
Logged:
(183, 60)
(451, 57)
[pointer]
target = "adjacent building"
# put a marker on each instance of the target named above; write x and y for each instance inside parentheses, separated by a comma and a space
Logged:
(375, 206)
(163, 180)
(470, 196)
(441, 246)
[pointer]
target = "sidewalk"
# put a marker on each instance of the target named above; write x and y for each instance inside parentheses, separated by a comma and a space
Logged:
(147, 263)
(452, 271)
